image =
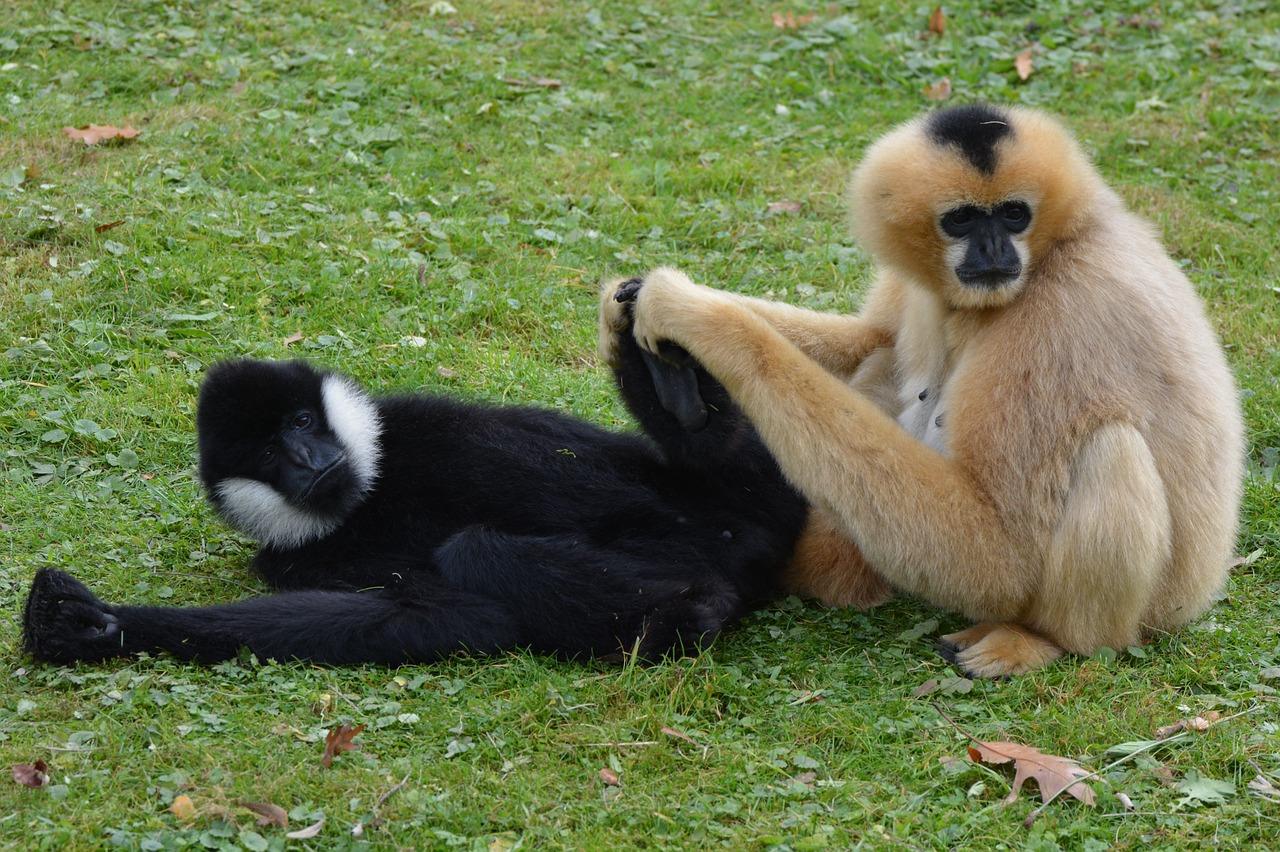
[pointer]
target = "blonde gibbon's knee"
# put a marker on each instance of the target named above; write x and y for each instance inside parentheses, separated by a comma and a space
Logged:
(1111, 543)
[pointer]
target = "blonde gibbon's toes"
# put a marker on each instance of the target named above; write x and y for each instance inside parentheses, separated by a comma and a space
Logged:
(962, 639)
(1005, 650)
(616, 296)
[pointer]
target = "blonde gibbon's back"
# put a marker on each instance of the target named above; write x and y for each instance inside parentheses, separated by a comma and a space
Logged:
(1031, 422)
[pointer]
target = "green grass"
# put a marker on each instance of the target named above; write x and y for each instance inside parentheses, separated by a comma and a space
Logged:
(360, 173)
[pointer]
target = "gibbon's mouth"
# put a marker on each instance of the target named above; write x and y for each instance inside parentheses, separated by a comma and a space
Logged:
(324, 478)
(989, 280)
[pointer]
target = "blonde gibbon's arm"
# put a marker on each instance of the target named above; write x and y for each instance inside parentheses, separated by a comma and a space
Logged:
(917, 515)
(838, 342)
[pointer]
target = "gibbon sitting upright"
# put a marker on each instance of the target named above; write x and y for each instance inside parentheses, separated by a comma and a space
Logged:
(403, 529)
(1031, 421)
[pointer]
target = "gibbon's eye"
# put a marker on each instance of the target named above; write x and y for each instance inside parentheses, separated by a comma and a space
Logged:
(302, 420)
(1016, 215)
(957, 222)
(268, 455)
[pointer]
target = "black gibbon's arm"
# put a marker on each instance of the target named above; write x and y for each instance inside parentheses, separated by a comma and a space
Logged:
(576, 542)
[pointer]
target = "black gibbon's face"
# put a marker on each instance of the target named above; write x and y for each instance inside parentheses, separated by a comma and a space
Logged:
(987, 246)
(286, 452)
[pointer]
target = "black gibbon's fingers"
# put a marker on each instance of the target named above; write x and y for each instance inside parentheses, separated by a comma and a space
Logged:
(628, 290)
(63, 621)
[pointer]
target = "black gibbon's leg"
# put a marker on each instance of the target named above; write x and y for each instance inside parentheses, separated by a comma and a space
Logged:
(64, 622)
(576, 600)
(678, 404)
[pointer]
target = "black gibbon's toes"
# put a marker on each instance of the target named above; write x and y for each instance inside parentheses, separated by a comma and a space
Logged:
(628, 290)
(62, 618)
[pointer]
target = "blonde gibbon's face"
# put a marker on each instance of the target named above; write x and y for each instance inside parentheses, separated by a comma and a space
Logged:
(964, 200)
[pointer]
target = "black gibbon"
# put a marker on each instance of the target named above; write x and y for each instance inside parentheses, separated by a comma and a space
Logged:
(402, 529)
(1031, 421)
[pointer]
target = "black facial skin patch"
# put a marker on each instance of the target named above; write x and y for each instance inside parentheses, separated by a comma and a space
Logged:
(990, 259)
(974, 129)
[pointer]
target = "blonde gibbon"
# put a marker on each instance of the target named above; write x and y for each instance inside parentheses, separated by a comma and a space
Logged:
(1030, 422)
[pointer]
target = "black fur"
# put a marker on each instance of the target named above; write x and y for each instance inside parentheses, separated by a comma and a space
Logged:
(974, 129)
(489, 528)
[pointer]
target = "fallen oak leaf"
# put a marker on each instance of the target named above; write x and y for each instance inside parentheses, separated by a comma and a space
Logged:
(308, 832)
(338, 740)
(107, 226)
(1053, 774)
(92, 134)
(1022, 64)
(937, 21)
(296, 337)
(938, 91)
(31, 774)
(609, 777)
(268, 814)
(790, 20)
(183, 808)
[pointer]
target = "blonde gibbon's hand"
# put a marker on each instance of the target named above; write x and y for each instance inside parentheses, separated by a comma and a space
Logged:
(670, 307)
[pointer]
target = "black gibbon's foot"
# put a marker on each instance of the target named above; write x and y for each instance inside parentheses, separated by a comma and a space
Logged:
(672, 370)
(63, 621)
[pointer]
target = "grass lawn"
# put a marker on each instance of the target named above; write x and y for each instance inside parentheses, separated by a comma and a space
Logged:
(396, 189)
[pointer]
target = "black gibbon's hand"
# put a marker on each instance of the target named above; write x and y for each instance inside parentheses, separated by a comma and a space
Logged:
(672, 371)
(63, 621)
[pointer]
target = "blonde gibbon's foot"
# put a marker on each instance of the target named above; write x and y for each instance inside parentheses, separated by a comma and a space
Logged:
(828, 567)
(997, 650)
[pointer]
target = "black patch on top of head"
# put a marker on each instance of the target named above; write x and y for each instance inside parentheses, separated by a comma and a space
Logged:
(974, 129)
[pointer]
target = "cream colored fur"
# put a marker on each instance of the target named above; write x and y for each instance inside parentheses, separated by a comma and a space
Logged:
(1083, 482)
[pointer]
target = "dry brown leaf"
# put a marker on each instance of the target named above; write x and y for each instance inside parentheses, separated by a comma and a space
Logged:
(308, 832)
(1240, 561)
(1200, 723)
(808, 779)
(268, 814)
(925, 688)
(107, 226)
(1262, 786)
(183, 808)
(680, 735)
(938, 91)
(533, 82)
(790, 20)
(338, 740)
(937, 21)
(610, 778)
(1052, 773)
(31, 774)
(1022, 64)
(777, 208)
(296, 337)
(92, 134)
